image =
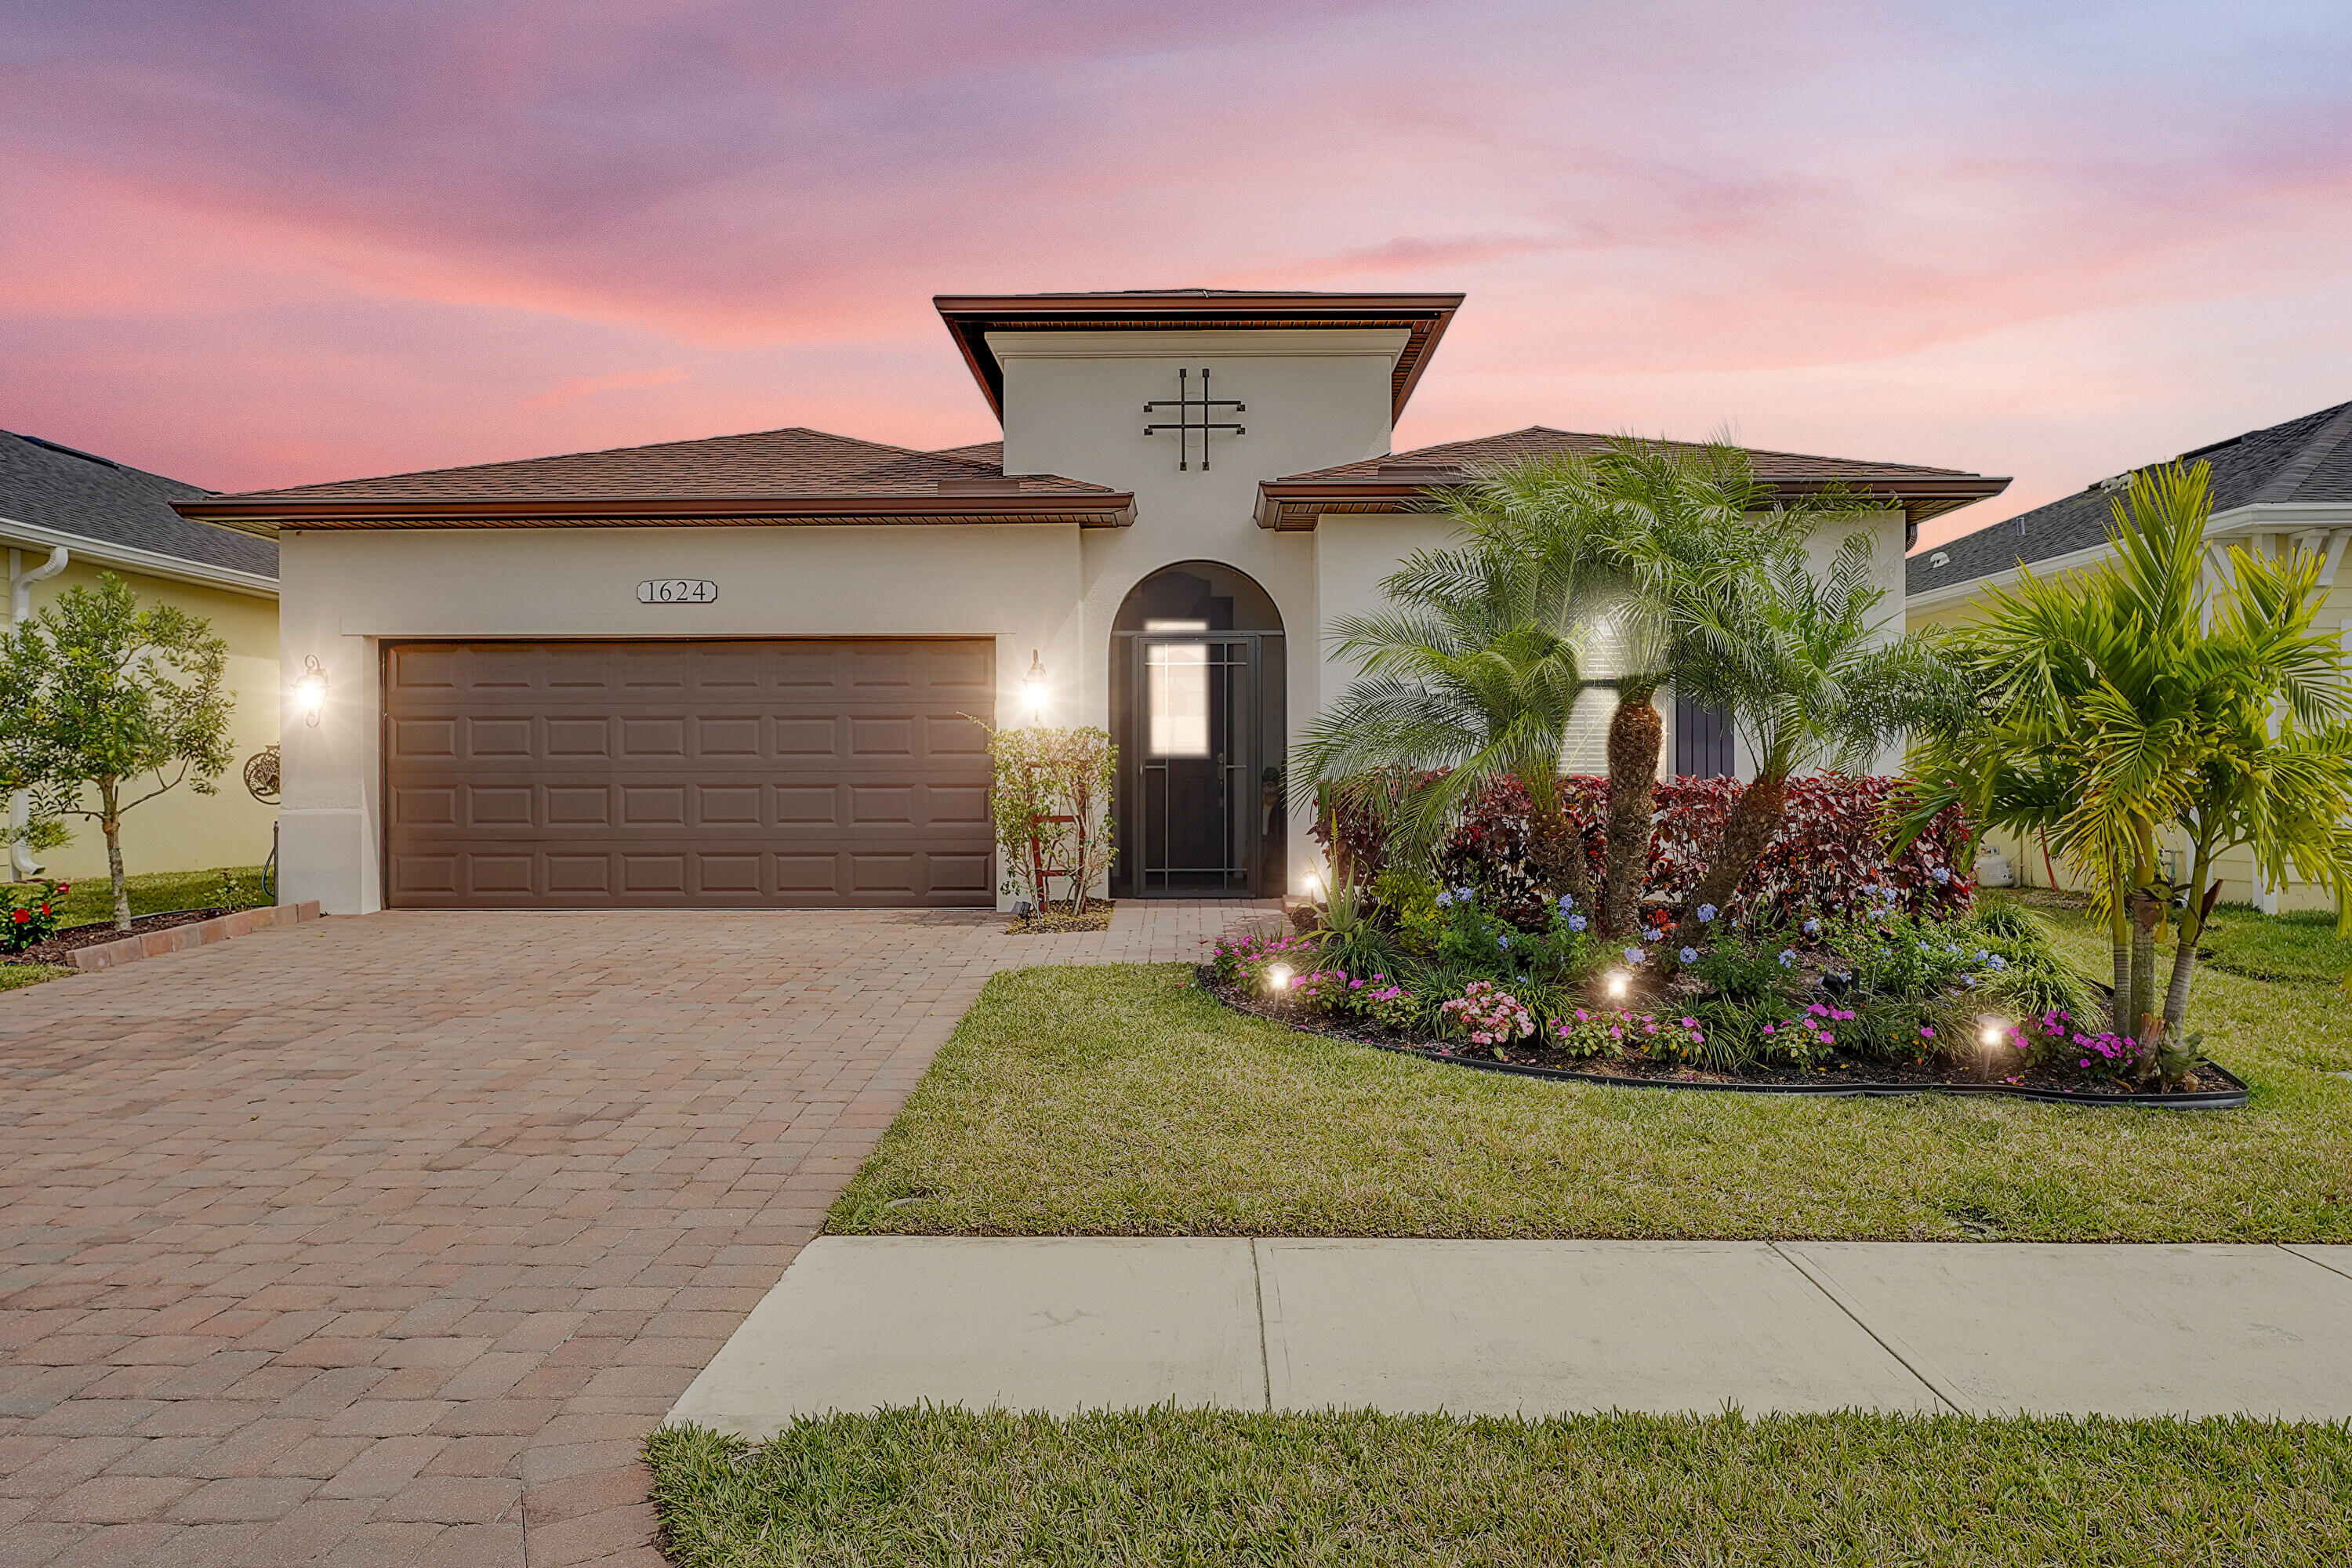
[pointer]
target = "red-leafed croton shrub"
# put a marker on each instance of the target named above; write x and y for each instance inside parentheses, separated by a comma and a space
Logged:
(1829, 859)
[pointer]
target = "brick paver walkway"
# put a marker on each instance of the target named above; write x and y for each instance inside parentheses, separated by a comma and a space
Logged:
(384, 1240)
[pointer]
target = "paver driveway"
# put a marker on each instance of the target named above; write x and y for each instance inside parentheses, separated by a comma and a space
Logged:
(384, 1240)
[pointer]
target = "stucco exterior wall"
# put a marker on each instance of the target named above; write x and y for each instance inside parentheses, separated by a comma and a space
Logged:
(182, 830)
(1074, 407)
(346, 594)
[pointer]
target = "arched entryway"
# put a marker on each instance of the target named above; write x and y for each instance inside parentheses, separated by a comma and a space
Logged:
(1196, 700)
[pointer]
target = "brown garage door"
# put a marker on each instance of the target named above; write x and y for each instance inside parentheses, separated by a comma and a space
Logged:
(718, 774)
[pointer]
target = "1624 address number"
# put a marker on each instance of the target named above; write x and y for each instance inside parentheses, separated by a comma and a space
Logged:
(678, 591)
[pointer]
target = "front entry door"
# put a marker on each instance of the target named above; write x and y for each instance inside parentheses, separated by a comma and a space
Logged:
(1195, 776)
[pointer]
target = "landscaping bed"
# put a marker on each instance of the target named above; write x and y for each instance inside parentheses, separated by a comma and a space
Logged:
(55, 948)
(1049, 921)
(1162, 1486)
(2207, 1086)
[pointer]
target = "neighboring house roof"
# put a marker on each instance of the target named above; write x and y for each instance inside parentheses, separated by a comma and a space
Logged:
(787, 476)
(1395, 482)
(114, 514)
(970, 319)
(2305, 460)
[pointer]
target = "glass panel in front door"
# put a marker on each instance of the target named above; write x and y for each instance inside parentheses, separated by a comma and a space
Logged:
(1198, 822)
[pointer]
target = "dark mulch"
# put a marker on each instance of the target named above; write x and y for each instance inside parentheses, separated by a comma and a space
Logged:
(1044, 922)
(1636, 1067)
(54, 950)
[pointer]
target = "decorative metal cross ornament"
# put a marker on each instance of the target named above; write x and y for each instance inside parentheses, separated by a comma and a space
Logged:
(1187, 407)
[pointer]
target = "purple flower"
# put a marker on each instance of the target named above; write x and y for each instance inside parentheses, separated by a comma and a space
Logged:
(1706, 914)
(1636, 955)
(1787, 958)
(1690, 956)
(1941, 875)
(1576, 923)
(1812, 928)
(1444, 900)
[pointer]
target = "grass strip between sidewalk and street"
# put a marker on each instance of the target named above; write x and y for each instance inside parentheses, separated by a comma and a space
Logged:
(1126, 1102)
(942, 1486)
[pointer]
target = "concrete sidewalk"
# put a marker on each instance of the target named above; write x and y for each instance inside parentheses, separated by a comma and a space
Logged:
(1540, 1326)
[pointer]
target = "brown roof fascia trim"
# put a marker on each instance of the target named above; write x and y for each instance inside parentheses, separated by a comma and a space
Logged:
(969, 317)
(1295, 505)
(1104, 509)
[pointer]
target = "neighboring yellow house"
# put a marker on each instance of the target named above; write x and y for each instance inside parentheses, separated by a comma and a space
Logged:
(2284, 488)
(65, 517)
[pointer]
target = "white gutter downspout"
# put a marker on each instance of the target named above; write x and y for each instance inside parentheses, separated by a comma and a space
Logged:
(21, 864)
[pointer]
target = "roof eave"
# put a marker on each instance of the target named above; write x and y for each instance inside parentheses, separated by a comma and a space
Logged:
(132, 558)
(267, 517)
(969, 317)
(1290, 505)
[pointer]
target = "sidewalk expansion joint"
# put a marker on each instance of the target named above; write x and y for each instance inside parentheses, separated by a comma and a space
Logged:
(1887, 1342)
(1264, 1360)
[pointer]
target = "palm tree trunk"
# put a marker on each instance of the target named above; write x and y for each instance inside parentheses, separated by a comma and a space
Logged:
(1755, 817)
(1557, 847)
(2119, 945)
(2192, 932)
(1635, 738)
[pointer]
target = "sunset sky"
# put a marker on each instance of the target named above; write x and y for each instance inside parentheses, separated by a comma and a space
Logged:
(248, 244)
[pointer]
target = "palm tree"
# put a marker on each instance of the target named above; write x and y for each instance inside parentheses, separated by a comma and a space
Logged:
(1473, 669)
(2117, 703)
(1812, 679)
(1643, 527)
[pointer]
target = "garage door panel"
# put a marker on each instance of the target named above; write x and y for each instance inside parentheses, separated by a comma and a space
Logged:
(490, 806)
(498, 738)
(726, 773)
(726, 736)
(579, 737)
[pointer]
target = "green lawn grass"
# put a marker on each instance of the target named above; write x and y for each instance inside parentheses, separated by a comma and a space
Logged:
(1125, 1101)
(91, 899)
(1163, 1486)
(13, 976)
(2303, 946)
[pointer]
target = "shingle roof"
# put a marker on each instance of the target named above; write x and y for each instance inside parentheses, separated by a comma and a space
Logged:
(1390, 483)
(2305, 460)
(989, 455)
(796, 462)
(58, 488)
(1542, 441)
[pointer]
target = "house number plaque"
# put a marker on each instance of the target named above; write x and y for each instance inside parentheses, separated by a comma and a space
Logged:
(678, 591)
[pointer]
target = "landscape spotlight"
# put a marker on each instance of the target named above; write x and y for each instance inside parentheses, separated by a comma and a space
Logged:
(1277, 979)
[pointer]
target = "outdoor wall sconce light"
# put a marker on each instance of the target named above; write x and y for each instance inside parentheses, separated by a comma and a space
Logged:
(1033, 687)
(311, 689)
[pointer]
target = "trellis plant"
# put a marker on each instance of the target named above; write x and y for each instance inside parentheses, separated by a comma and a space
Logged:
(1050, 798)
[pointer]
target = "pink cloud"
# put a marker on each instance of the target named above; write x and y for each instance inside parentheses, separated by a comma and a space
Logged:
(266, 243)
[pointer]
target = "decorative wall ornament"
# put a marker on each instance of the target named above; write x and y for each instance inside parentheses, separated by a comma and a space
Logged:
(1188, 408)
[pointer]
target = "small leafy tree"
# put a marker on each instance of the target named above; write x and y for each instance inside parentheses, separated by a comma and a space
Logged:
(115, 702)
(1051, 801)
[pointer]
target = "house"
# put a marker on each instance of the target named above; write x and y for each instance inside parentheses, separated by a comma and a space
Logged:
(2284, 488)
(746, 671)
(68, 515)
